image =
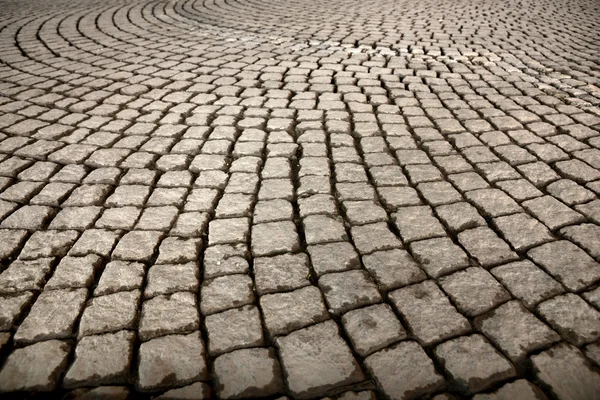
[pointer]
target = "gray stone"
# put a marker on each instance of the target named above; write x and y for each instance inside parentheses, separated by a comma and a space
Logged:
(75, 272)
(25, 275)
(11, 309)
(175, 250)
(35, 368)
(486, 247)
(567, 373)
(316, 359)
(232, 230)
(234, 329)
(137, 246)
(110, 313)
(225, 292)
(281, 273)
(372, 328)
(439, 256)
(552, 212)
(585, 235)
(522, 231)
(519, 389)
(287, 312)
(428, 313)
(416, 223)
(172, 278)
(459, 216)
(101, 360)
(48, 244)
(574, 319)
(195, 391)
(168, 314)
(224, 260)
(248, 373)
(169, 361)
(52, 316)
(333, 257)
(323, 229)
(516, 331)
(393, 269)
(348, 290)
(473, 363)
(404, 371)
(120, 276)
(273, 238)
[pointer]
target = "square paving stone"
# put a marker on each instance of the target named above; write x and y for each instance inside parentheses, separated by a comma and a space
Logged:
(120, 276)
(94, 241)
(316, 360)
(552, 212)
(287, 312)
(174, 250)
(273, 210)
(25, 275)
(372, 328)
(75, 218)
(572, 266)
(157, 218)
(225, 292)
(333, 257)
(11, 240)
(528, 283)
(232, 230)
(248, 373)
(493, 202)
(317, 204)
(195, 391)
(474, 290)
(75, 272)
(565, 370)
(234, 329)
(274, 238)
(438, 193)
(459, 216)
(281, 273)
(439, 256)
(11, 308)
(394, 197)
(234, 205)
(190, 224)
(110, 313)
(323, 229)
(35, 368)
(585, 235)
(522, 231)
(364, 212)
(137, 246)
(428, 313)
(393, 268)
(348, 290)
(52, 316)
(404, 371)
(28, 217)
(519, 389)
(168, 314)
(486, 247)
(225, 259)
(169, 361)
(48, 244)
(416, 223)
(118, 218)
(516, 331)
(172, 278)
(101, 360)
(572, 317)
(372, 237)
(473, 363)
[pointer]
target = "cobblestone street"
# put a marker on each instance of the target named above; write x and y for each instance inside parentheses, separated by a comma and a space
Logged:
(300, 199)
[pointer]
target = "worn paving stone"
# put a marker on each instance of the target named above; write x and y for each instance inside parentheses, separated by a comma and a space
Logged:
(316, 360)
(522, 231)
(234, 329)
(416, 223)
(137, 246)
(35, 368)
(225, 292)
(169, 361)
(110, 313)
(404, 371)
(172, 278)
(439, 256)
(520, 389)
(333, 257)
(428, 313)
(473, 363)
(52, 316)
(101, 360)
(566, 371)
(25, 275)
(573, 267)
(274, 238)
(574, 319)
(515, 330)
(168, 314)
(287, 312)
(11, 308)
(348, 290)
(280, 273)
(225, 259)
(474, 290)
(120, 276)
(392, 269)
(248, 373)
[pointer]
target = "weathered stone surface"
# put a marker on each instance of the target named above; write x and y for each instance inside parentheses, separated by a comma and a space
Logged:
(575, 320)
(316, 360)
(566, 371)
(169, 278)
(11, 308)
(274, 238)
(168, 314)
(323, 229)
(281, 273)
(120, 276)
(195, 391)
(35, 368)
(169, 361)
(428, 312)
(519, 389)
(287, 312)
(515, 330)
(233, 329)
(25, 275)
(393, 268)
(439, 256)
(348, 290)
(74, 272)
(52, 316)
(110, 313)
(473, 363)
(101, 360)
(248, 373)
(333, 257)
(486, 247)
(404, 371)
(225, 292)
(137, 246)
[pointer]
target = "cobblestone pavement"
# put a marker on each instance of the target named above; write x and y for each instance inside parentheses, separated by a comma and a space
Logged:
(302, 199)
